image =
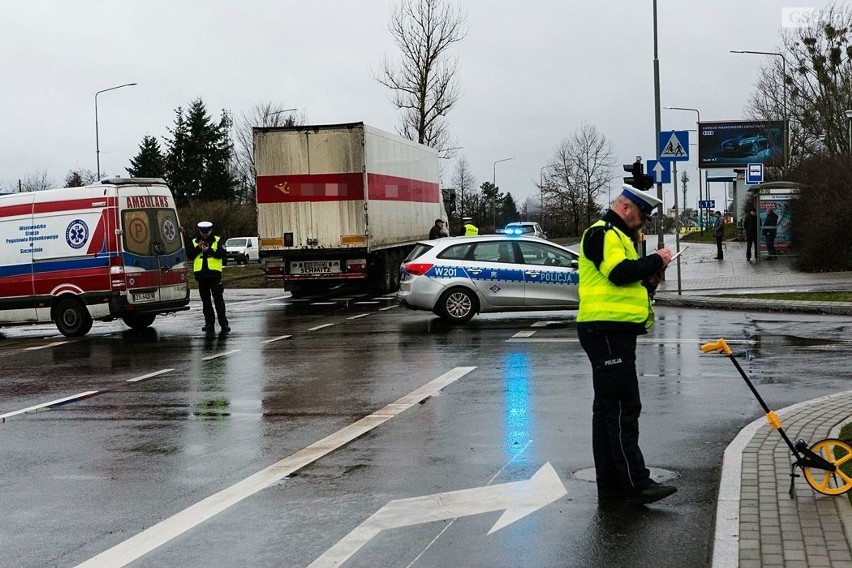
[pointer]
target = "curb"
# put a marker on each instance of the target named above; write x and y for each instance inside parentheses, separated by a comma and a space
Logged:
(753, 304)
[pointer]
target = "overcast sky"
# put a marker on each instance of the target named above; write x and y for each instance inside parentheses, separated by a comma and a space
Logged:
(530, 74)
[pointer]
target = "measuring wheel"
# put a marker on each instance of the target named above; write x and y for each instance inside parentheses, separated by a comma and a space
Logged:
(839, 453)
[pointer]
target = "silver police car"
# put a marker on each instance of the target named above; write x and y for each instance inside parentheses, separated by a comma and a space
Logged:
(457, 277)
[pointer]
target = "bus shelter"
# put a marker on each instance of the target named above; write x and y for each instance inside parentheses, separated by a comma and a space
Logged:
(776, 197)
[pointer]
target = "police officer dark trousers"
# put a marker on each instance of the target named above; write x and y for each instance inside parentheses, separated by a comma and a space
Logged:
(209, 253)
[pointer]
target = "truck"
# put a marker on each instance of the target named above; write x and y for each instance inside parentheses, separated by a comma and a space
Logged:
(111, 250)
(341, 202)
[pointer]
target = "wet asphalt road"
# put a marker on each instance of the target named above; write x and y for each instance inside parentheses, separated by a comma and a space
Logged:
(179, 417)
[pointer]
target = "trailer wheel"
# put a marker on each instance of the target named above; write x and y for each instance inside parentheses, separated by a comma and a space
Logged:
(457, 305)
(384, 277)
(138, 321)
(72, 318)
(396, 260)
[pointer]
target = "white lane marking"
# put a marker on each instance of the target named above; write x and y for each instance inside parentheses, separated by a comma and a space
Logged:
(341, 299)
(279, 338)
(544, 323)
(527, 333)
(388, 308)
(216, 356)
(137, 546)
(54, 344)
(358, 316)
(56, 402)
(149, 375)
(517, 499)
(321, 326)
(366, 302)
(323, 303)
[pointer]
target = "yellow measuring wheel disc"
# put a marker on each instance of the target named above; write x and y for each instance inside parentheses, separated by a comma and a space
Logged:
(837, 482)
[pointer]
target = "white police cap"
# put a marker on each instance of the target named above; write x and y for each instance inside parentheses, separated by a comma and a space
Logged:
(643, 199)
(205, 226)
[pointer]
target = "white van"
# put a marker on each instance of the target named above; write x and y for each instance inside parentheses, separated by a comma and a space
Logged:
(112, 250)
(242, 250)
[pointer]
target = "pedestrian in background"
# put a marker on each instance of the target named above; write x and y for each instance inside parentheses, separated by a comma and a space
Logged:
(615, 308)
(770, 229)
(437, 230)
(208, 253)
(719, 234)
(750, 225)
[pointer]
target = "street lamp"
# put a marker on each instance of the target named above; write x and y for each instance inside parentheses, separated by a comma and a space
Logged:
(97, 142)
(494, 185)
(783, 92)
(700, 171)
(541, 190)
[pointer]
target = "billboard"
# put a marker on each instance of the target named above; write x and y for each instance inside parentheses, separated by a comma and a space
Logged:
(736, 143)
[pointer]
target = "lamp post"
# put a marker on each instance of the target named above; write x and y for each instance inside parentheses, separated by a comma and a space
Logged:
(97, 141)
(700, 171)
(494, 185)
(783, 94)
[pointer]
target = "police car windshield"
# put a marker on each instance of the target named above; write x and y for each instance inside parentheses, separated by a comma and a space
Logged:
(418, 251)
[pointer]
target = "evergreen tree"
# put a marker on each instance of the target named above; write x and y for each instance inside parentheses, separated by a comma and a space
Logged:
(149, 162)
(197, 164)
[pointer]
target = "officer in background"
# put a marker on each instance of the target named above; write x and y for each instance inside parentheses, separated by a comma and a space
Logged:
(615, 308)
(208, 252)
(468, 228)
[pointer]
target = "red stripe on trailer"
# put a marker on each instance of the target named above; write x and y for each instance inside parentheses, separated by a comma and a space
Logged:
(393, 188)
(310, 187)
(343, 187)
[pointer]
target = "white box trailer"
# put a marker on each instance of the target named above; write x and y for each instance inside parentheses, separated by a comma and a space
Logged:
(105, 251)
(341, 202)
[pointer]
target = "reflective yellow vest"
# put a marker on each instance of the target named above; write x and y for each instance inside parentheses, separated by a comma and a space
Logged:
(600, 299)
(212, 263)
(470, 230)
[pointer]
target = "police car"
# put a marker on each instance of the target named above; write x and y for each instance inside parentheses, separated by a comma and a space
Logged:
(457, 277)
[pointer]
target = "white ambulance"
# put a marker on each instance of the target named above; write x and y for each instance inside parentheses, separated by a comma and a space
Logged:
(100, 252)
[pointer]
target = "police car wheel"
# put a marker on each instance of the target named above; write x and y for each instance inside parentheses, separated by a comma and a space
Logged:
(458, 305)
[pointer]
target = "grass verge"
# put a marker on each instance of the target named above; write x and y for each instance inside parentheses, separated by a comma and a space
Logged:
(846, 435)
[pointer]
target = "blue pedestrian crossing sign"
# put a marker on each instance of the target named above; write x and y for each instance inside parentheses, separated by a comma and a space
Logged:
(674, 146)
(754, 174)
(659, 170)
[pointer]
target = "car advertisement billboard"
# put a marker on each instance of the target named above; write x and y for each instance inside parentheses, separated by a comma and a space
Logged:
(737, 143)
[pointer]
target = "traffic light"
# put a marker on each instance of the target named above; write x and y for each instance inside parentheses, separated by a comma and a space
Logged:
(639, 179)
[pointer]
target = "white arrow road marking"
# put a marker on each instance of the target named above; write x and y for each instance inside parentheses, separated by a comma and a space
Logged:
(517, 499)
(137, 546)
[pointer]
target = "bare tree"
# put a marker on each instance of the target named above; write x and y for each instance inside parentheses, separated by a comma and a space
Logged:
(424, 83)
(591, 156)
(577, 175)
(262, 115)
(815, 73)
(36, 181)
(464, 183)
(79, 178)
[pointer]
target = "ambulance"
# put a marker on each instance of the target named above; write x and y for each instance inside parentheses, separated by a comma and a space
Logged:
(111, 250)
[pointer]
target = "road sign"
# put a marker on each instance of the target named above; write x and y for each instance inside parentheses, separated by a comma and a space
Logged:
(661, 171)
(674, 145)
(707, 204)
(754, 174)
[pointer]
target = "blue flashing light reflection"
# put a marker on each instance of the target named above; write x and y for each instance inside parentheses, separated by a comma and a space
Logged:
(518, 428)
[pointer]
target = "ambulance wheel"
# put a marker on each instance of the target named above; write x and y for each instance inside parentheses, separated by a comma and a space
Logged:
(138, 321)
(457, 305)
(837, 482)
(72, 318)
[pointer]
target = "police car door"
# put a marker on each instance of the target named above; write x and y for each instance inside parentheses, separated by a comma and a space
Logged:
(550, 275)
(493, 269)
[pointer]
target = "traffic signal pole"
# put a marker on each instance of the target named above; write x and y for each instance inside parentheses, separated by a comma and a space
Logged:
(658, 124)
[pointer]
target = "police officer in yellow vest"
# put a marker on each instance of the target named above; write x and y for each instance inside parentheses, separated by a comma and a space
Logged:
(209, 254)
(468, 228)
(614, 309)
